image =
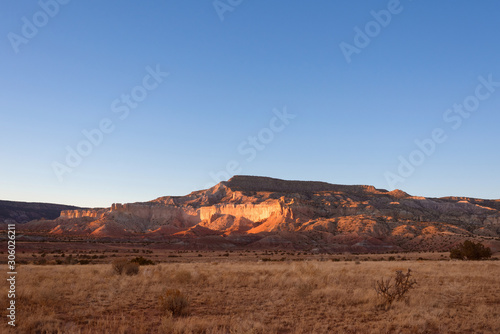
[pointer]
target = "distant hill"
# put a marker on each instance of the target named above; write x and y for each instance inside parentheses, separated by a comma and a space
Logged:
(23, 212)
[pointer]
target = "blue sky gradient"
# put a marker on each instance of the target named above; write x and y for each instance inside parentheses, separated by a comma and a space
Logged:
(228, 79)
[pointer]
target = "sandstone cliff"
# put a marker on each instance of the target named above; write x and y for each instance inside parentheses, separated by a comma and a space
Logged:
(298, 214)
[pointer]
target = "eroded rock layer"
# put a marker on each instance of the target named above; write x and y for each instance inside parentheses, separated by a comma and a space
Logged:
(252, 211)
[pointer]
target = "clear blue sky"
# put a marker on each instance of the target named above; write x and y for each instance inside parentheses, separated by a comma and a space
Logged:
(353, 120)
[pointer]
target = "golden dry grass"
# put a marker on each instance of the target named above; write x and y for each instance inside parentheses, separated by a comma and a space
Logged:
(258, 297)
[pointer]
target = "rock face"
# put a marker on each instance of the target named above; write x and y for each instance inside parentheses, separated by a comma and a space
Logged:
(249, 211)
(22, 212)
(79, 213)
(254, 212)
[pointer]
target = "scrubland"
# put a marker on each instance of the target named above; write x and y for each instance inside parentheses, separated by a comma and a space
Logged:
(257, 297)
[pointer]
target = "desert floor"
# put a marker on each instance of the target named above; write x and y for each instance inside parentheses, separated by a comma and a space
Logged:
(246, 294)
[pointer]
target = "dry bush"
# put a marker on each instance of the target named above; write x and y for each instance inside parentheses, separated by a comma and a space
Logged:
(174, 302)
(183, 276)
(125, 267)
(119, 265)
(131, 268)
(397, 291)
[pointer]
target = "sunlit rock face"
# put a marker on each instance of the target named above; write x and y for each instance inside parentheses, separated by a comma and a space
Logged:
(79, 213)
(254, 212)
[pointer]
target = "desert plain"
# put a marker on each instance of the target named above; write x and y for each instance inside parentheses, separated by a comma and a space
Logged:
(251, 292)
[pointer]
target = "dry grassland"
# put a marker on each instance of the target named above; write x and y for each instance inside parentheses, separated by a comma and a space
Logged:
(257, 297)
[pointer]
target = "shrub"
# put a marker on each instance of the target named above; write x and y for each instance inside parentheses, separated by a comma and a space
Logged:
(183, 276)
(469, 250)
(456, 253)
(70, 260)
(174, 302)
(131, 269)
(142, 261)
(125, 267)
(390, 292)
(119, 265)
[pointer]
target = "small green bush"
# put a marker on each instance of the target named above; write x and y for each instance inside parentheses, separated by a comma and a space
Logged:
(469, 250)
